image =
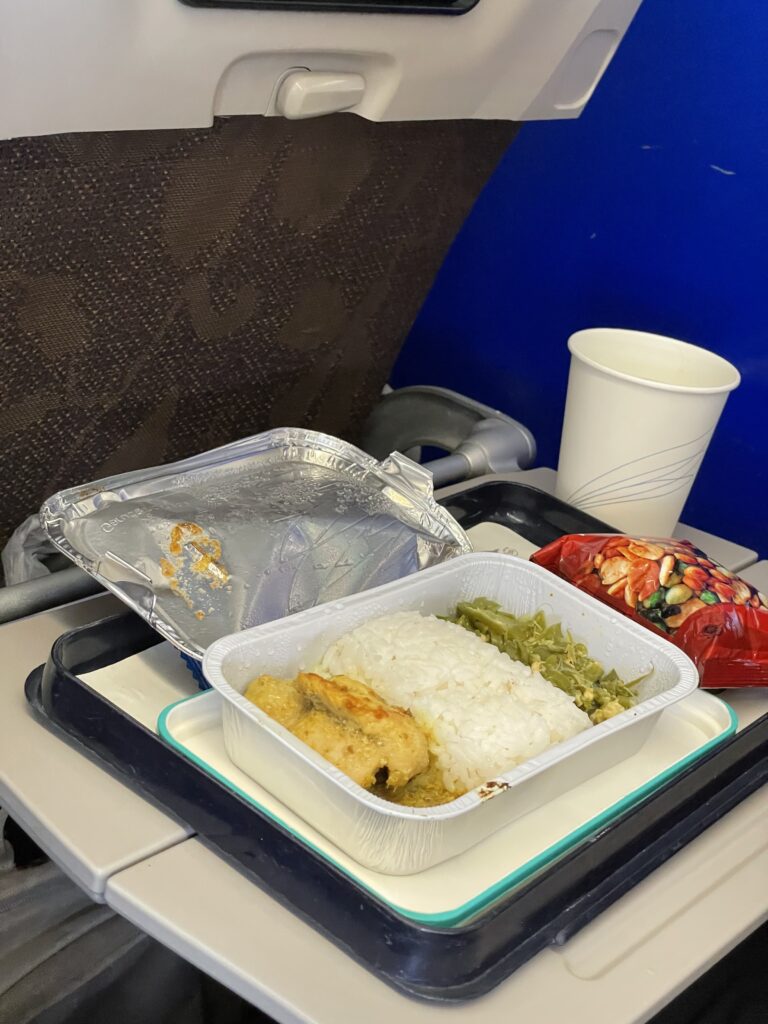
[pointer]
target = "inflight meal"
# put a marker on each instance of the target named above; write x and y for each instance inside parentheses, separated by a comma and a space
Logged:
(420, 709)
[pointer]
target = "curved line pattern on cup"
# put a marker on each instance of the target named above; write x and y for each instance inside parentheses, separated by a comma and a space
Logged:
(679, 485)
(643, 458)
(642, 484)
(674, 471)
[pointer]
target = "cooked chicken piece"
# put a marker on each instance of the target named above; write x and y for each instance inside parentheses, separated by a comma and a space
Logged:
(349, 724)
(279, 698)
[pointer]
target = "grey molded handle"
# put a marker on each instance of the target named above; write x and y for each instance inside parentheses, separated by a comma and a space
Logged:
(45, 592)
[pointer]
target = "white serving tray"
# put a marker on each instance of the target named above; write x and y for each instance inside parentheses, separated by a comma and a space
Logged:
(456, 890)
(399, 840)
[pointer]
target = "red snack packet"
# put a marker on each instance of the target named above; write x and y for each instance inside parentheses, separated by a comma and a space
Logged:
(717, 618)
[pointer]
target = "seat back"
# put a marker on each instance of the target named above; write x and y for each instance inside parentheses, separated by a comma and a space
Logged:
(165, 292)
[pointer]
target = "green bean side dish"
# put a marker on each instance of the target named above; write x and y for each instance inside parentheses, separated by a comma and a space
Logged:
(552, 652)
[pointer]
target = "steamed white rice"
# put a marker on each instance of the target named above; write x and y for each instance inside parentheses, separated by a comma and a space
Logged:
(484, 712)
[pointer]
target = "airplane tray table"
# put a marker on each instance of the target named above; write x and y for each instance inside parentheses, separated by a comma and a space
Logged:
(423, 960)
(532, 513)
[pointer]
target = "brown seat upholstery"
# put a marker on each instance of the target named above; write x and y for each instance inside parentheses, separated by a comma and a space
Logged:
(165, 292)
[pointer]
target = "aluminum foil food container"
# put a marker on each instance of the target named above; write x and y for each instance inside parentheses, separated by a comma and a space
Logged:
(400, 840)
(251, 532)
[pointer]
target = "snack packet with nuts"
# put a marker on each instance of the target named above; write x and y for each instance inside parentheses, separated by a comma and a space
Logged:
(717, 618)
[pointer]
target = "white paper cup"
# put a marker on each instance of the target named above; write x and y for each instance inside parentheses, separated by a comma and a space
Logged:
(639, 415)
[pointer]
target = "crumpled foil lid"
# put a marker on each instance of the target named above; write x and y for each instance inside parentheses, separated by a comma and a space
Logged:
(252, 531)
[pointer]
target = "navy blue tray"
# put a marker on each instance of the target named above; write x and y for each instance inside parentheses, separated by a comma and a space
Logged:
(429, 962)
(534, 514)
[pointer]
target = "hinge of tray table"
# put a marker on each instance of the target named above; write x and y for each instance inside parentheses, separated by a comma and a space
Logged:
(479, 439)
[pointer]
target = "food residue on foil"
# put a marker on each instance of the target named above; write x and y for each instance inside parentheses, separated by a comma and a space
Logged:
(191, 549)
(208, 551)
(492, 788)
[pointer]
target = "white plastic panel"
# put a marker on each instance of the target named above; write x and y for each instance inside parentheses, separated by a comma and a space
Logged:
(99, 65)
(88, 821)
(239, 935)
